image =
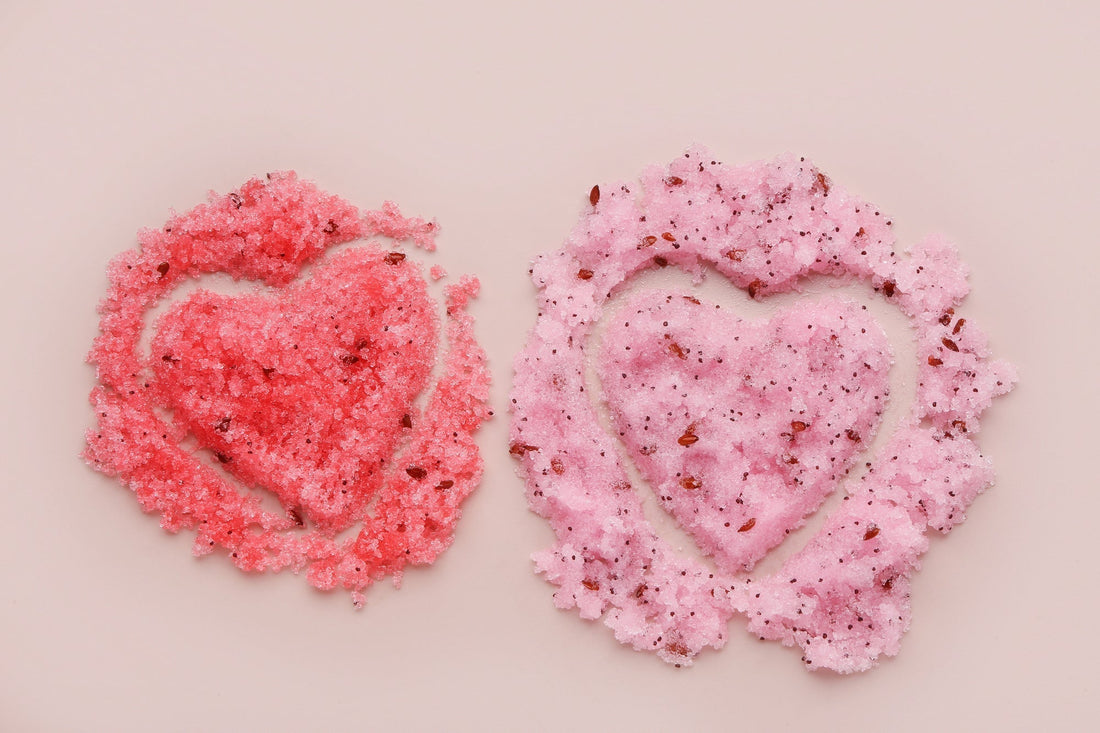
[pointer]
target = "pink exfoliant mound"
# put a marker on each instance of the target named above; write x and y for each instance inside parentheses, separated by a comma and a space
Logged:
(743, 429)
(309, 393)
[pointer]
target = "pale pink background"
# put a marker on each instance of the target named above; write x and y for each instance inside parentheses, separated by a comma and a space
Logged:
(975, 119)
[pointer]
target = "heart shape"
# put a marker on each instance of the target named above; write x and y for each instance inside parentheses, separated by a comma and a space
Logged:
(743, 429)
(305, 393)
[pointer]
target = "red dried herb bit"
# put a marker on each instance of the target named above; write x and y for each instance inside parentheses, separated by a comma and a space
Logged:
(871, 533)
(821, 183)
(163, 268)
(235, 199)
(330, 227)
(223, 425)
(621, 486)
(668, 236)
(790, 460)
(747, 525)
(797, 426)
(690, 483)
(958, 326)
(594, 195)
(675, 647)
(674, 181)
(444, 485)
(430, 524)
(945, 319)
(675, 349)
(295, 515)
(934, 361)
(853, 435)
(689, 437)
(735, 254)
(349, 359)
(416, 472)
(268, 371)
(648, 241)
(519, 449)
(888, 584)
(406, 420)
(557, 466)
(692, 299)
(951, 345)
(755, 287)
(640, 590)
(959, 425)
(660, 261)
(647, 450)
(861, 232)
(222, 457)
(392, 258)
(888, 288)
(590, 584)
(584, 274)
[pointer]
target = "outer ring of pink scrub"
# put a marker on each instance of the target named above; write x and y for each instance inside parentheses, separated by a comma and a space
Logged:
(268, 230)
(765, 227)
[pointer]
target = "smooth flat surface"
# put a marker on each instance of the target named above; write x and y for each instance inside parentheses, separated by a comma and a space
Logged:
(977, 121)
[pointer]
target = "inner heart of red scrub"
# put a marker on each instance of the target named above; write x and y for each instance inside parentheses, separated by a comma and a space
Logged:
(305, 393)
(743, 428)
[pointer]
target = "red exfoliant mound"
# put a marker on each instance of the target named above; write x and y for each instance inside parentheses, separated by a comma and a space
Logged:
(309, 393)
(742, 430)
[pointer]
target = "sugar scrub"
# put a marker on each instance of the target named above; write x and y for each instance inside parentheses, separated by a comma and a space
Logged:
(743, 429)
(309, 392)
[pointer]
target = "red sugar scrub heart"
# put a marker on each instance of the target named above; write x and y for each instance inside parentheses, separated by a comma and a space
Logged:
(764, 227)
(743, 429)
(305, 393)
(309, 393)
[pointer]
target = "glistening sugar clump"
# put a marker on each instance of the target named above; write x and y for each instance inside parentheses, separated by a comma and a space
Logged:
(742, 429)
(309, 393)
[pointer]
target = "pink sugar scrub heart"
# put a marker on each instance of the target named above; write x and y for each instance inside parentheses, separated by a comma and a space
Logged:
(749, 426)
(309, 393)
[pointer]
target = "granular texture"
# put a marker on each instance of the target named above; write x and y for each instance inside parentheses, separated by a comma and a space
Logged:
(743, 429)
(309, 392)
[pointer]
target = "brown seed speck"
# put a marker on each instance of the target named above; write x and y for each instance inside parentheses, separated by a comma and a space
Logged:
(692, 299)
(590, 584)
(674, 181)
(958, 326)
(797, 426)
(660, 261)
(392, 258)
(888, 288)
(888, 584)
(675, 349)
(951, 345)
(163, 268)
(688, 438)
(675, 647)
(747, 525)
(640, 590)
(222, 425)
(648, 241)
(754, 287)
(668, 236)
(416, 472)
(406, 420)
(821, 183)
(584, 274)
(295, 516)
(871, 533)
(934, 361)
(519, 449)
(945, 319)
(444, 485)
(594, 195)
(853, 435)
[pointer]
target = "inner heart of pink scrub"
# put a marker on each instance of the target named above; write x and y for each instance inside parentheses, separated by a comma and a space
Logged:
(307, 393)
(743, 428)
